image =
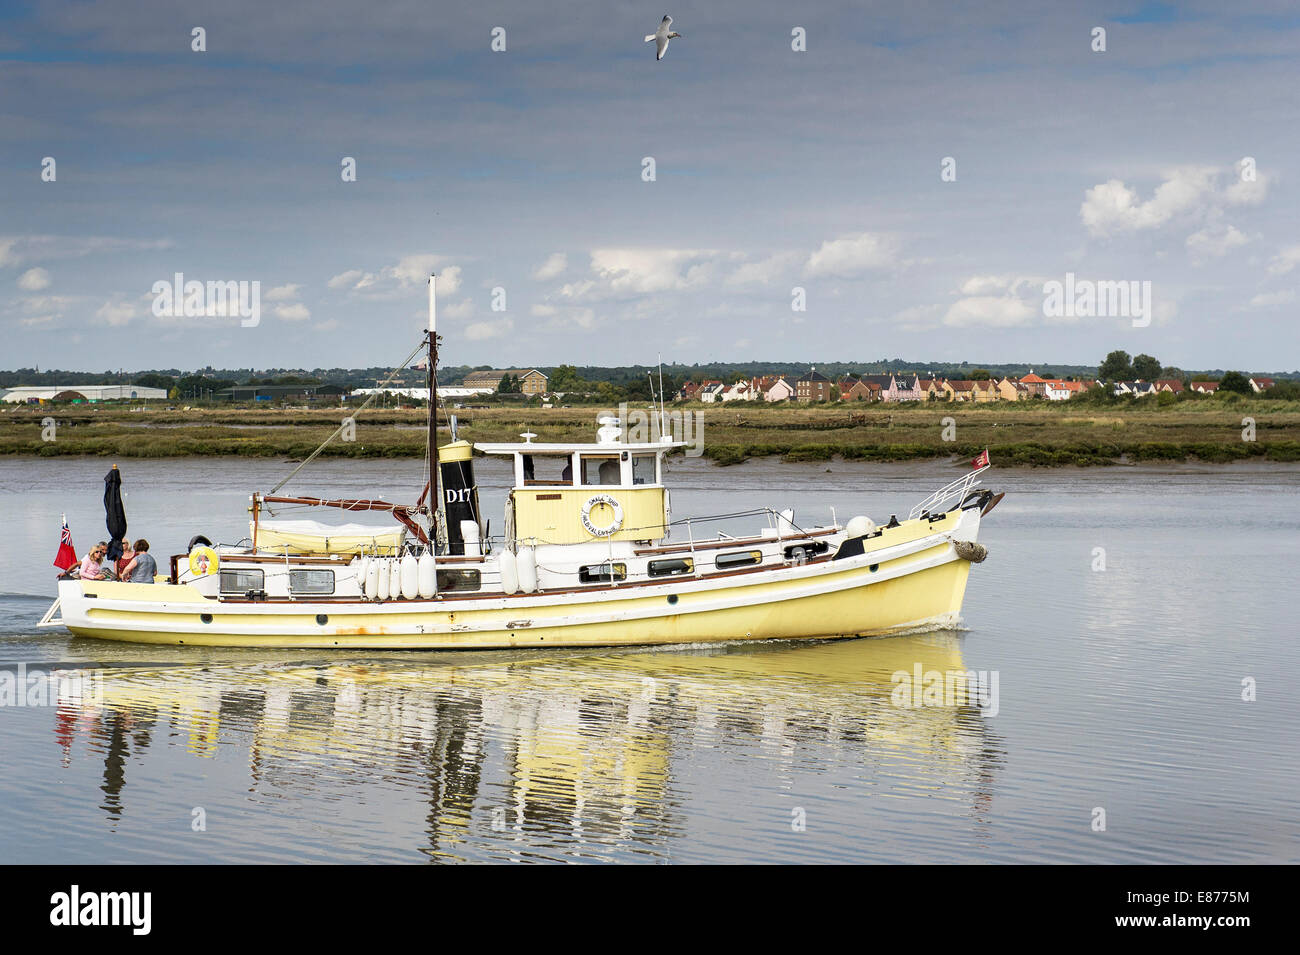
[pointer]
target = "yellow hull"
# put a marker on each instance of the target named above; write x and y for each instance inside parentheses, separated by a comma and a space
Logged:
(834, 599)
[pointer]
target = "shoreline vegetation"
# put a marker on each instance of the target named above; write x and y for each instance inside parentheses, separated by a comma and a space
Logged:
(1024, 434)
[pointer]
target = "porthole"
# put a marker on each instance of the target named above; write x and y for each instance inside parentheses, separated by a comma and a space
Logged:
(322, 619)
(873, 568)
(672, 598)
(205, 617)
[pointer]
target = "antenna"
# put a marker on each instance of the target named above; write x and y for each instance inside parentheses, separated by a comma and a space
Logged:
(662, 414)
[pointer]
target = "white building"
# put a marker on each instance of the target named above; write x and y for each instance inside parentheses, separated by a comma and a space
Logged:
(34, 394)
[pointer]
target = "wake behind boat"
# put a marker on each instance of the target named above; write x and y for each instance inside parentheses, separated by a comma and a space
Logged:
(591, 555)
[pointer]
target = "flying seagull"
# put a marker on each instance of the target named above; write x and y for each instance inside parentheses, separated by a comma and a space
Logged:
(662, 36)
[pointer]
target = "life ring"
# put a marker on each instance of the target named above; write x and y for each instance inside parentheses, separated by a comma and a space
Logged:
(609, 528)
(204, 561)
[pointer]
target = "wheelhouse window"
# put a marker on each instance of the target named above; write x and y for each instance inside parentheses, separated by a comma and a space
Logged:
(547, 469)
(458, 580)
(311, 581)
(643, 469)
(740, 558)
(242, 581)
(602, 573)
(601, 469)
(672, 567)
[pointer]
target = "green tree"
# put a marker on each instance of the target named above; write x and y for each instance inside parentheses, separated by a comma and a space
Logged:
(1146, 368)
(1116, 367)
(155, 381)
(1235, 381)
(980, 374)
(1173, 373)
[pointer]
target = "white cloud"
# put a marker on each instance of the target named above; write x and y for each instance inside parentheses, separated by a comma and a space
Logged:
(493, 328)
(346, 279)
(283, 293)
(1214, 243)
(998, 311)
(851, 256)
(1269, 299)
(33, 280)
(459, 310)
(553, 267)
(543, 311)
(296, 312)
(765, 270)
(116, 313)
(1284, 261)
(641, 271)
(1247, 192)
(1112, 207)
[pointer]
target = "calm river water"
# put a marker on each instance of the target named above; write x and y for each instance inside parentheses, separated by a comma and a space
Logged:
(1119, 690)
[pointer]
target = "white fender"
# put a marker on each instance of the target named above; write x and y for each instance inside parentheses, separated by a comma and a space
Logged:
(381, 591)
(361, 564)
(509, 572)
(410, 574)
(526, 569)
(428, 573)
(372, 578)
(394, 578)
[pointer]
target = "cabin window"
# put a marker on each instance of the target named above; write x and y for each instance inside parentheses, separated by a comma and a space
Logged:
(600, 469)
(643, 469)
(311, 581)
(602, 573)
(672, 567)
(547, 469)
(242, 581)
(740, 558)
(458, 580)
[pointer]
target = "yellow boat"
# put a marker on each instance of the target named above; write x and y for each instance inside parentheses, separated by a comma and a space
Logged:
(591, 556)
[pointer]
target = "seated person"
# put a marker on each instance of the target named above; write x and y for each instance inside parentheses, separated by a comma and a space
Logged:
(142, 567)
(125, 560)
(92, 567)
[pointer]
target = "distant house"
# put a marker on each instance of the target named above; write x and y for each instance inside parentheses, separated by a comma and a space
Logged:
(687, 391)
(961, 390)
(740, 391)
(1055, 389)
(1261, 384)
(1135, 389)
(812, 387)
(1171, 385)
(1205, 387)
(1034, 385)
(899, 387)
(1010, 389)
(860, 390)
(780, 390)
(710, 391)
(531, 381)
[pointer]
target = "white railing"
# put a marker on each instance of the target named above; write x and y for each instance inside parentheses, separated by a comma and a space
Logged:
(957, 489)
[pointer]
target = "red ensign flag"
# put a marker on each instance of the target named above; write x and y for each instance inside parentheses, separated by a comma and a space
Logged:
(982, 461)
(67, 555)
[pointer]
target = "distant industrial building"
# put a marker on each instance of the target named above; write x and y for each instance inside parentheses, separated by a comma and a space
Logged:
(280, 392)
(40, 394)
(531, 381)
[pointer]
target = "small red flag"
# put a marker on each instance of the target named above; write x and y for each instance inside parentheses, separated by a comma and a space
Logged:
(982, 461)
(67, 555)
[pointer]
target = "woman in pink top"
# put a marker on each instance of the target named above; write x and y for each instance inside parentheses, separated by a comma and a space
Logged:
(91, 566)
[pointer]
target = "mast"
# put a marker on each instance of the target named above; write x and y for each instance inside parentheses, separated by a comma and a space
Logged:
(435, 497)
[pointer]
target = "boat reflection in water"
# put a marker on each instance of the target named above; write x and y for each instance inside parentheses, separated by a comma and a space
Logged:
(591, 754)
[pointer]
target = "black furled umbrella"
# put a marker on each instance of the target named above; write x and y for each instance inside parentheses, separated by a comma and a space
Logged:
(114, 515)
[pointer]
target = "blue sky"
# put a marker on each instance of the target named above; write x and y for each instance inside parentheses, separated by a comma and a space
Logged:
(522, 170)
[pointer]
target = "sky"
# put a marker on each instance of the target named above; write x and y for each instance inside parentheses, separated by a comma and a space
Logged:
(913, 178)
